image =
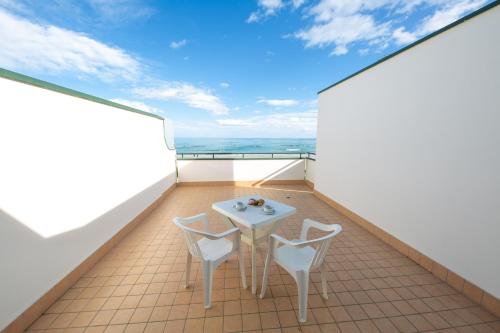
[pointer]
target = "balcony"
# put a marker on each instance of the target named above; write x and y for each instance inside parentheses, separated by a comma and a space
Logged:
(407, 162)
(139, 285)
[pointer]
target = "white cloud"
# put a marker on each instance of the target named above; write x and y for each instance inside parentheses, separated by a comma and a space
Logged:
(14, 5)
(401, 36)
(275, 124)
(27, 45)
(137, 105)
(196, 128)
(120, 10)
(234, 122)
(312, 103)
(369, 24)
(328, 10)
(266, 8)
(77, 11)
(178, 44)
(341, 23)
(297, 3)
(439, 19)
(449, 14)
(186, 93)
(278, 102)
(253, 17)
(224, 85)
(270, 6)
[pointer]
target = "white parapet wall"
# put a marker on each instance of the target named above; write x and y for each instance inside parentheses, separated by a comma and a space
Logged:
(73, 173)
(310, 170)
(240, 170)
(413, 146)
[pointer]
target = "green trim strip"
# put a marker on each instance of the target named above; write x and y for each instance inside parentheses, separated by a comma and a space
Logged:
(63, 90)
(435, 33)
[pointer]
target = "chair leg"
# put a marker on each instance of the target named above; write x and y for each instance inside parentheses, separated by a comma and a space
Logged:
(241, 259)
(254, 264)
(207, 283)
(265, 277)
(323, 281)
(303, 286)
(188, 268)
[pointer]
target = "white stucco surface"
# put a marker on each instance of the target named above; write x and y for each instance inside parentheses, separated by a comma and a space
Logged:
(73, 173)
(413, 146)
(240, 170)
(310, 170)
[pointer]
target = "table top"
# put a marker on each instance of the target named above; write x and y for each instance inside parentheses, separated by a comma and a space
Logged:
(253, 217)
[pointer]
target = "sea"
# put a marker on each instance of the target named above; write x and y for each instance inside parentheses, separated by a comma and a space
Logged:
(246, 145)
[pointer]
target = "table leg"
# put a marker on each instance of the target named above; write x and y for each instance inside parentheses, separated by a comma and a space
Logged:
(254, 266)
(227, 221)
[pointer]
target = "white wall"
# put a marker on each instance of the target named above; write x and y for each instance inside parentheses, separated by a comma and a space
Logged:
(73, 173)
(413, 145)
(239, 170)
(310, 170)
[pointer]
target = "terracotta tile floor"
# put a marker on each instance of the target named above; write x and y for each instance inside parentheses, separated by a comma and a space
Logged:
(138, 286)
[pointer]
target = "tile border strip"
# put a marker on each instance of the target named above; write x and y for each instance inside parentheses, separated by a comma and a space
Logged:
(25, 319)
(473, 292)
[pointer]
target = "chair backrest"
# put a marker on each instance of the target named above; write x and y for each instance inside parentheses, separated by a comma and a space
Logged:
(189, 233)
(323, 242)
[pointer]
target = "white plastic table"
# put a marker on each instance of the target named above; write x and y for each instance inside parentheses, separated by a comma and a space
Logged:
(256, 224)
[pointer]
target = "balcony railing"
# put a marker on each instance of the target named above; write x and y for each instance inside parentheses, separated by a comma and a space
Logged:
(246, 156)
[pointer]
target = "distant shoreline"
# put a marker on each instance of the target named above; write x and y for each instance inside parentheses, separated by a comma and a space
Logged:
(228, 138)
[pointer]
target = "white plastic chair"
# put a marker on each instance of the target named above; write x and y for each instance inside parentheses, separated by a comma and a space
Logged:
(299, 257)
(212, 249)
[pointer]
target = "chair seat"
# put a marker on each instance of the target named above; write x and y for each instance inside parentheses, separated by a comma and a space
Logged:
(294, 259)
(214, 249)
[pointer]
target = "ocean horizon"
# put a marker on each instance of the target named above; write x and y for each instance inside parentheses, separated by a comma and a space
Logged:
(245, 145)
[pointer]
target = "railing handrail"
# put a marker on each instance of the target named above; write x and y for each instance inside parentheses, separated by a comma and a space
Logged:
(246, 156)
(252, 153)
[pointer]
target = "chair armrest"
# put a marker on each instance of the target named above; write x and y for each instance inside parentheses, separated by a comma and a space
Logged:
(182, 222)
(308, 224)
(278, 239)
(226, 233)
(201, 216)
(211, 235)
(297, 243)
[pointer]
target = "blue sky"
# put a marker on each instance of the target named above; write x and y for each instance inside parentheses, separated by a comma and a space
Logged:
(216, 68)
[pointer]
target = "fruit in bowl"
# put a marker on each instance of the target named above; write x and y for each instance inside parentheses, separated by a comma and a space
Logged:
(256, 202)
